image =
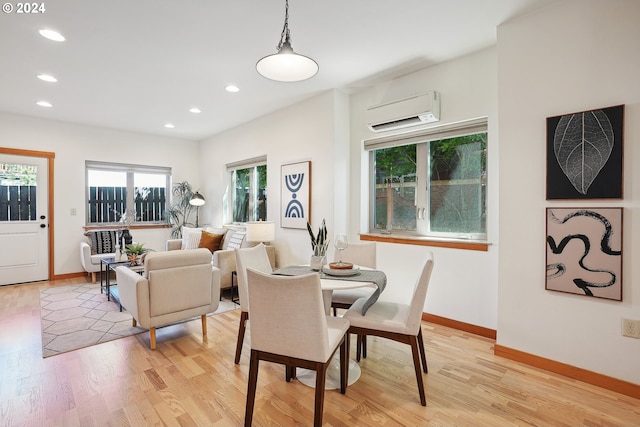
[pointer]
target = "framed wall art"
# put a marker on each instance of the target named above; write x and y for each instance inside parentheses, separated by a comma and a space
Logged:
(295, 195)
(584, 251)
(584, 155)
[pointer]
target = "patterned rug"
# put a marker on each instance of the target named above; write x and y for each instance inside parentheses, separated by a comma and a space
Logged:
(78, 316)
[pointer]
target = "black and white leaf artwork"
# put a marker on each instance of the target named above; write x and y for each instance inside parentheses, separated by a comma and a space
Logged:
(582, 144)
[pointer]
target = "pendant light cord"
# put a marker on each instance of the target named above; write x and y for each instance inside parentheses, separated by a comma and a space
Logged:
(285, 30)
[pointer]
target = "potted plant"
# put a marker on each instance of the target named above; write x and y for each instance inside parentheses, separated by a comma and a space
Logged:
(319, 244)
(180, 209)
(134, 251)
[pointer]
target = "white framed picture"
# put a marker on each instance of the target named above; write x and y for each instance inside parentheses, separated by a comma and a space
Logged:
(295, 195)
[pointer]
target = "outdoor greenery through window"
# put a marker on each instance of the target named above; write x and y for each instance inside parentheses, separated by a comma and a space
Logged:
(249, 190)
(430, 185)
(130, 194)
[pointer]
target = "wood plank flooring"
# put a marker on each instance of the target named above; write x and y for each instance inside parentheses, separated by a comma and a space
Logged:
(188, 382)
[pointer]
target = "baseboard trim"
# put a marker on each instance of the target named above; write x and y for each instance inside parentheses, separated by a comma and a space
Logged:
(461, 326)
(68, 276)
(589, 377)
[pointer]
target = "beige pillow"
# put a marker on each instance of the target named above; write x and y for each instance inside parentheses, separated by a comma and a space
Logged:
(210, 241)
(191, 237)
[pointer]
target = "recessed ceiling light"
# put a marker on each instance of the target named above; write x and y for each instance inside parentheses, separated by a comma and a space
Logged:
(232, 88)
(169, 126)
(44, 104)
(52, 35)
(47, 78)
(195, 110)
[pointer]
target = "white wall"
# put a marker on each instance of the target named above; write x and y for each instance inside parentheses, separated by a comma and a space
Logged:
(464, 283)
(309, 130)
(572, 56)
(72, 145)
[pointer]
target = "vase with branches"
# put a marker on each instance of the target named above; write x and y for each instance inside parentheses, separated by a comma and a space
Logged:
(319, 244)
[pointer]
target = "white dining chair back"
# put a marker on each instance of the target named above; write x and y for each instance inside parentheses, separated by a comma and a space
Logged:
(419, 296)
(290, 327)
(255, 257)
(288, 316)
(361, 253)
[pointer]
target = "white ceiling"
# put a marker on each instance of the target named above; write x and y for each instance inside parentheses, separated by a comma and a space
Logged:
(137, 64)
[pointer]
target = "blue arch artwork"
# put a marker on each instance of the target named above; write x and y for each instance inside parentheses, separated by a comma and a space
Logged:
(294, 208)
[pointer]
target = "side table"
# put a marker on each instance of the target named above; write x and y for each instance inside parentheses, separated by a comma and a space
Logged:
(110, 265)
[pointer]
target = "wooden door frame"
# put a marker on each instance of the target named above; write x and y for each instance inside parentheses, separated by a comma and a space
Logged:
(50, 157)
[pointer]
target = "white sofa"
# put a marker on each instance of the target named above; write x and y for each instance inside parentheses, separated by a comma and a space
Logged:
(224, 258)
(175, 286)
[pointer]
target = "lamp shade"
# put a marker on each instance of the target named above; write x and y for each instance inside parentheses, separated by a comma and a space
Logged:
(287, 66)
(197, 199)
(260, 231)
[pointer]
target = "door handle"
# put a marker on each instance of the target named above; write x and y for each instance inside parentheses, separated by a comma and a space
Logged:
(43, 225)
(42, 217)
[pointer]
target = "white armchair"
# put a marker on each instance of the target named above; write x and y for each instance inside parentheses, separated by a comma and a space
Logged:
(176, 285)
(100, 244)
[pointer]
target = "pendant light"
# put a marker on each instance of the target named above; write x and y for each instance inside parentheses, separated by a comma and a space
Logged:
(286, 65)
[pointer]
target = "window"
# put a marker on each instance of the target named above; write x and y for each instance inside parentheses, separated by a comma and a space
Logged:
(248, 190)
(18, 192)
(431, 182)
(126, 193)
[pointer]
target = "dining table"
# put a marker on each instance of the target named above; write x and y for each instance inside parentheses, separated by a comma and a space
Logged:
(332, 280)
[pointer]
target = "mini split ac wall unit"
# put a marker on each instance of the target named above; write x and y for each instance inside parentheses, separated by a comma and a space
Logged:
(411, 111)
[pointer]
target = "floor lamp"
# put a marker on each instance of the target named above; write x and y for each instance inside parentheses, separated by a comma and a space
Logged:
(197, 200)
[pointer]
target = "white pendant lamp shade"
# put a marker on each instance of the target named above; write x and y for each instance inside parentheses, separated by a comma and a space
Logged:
(286, 65)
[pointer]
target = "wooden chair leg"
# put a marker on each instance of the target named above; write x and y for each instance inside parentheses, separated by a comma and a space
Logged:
(364, 346)
(290, 373)
(134, 323)
(416, 364)
(344, 364)
(422, 354)
(244, 316)
(204, 325)
(93, 277)
(321, 376)
(251, 388)
(152, 335)
(358, 347)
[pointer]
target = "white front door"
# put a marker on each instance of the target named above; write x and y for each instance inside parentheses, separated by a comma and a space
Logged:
(24, 237)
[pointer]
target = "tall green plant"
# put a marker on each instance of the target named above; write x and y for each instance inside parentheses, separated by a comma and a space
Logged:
(180, 210)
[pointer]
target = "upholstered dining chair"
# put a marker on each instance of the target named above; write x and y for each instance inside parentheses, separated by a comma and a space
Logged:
(289, 326)
(361, 254)
(255, 257)
(398, 322)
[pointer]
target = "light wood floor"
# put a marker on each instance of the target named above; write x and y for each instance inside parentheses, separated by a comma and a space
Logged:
(186, 382)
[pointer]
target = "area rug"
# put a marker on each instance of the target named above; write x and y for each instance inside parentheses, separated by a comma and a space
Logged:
(78, 316)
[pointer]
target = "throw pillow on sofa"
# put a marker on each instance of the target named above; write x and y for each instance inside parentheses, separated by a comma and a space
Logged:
(211, 241)
(236, 239)
(191, 237)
